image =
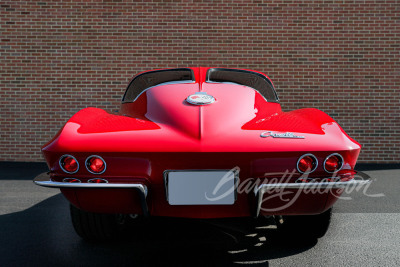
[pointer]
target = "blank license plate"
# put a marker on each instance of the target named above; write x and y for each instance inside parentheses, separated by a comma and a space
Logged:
(201, 187)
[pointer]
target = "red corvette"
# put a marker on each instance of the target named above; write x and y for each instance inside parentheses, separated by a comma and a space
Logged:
(200, 143)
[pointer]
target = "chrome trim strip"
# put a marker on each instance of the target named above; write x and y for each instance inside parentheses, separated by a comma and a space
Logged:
(333, 185)
(62, 168)
(43, 180)
(52, 184)
(92, 156)
(305, 155)
(341, 158)
(260, 190)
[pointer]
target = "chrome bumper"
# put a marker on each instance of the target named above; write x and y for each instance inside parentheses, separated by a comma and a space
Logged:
(262, 189)
(44, 180)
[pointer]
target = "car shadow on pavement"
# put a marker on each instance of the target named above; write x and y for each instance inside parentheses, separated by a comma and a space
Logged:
(43, 235)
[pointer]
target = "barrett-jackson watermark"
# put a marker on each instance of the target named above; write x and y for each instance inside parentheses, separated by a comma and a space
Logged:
(275, 188)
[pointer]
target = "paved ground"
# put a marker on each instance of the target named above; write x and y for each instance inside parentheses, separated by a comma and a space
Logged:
(35, 230)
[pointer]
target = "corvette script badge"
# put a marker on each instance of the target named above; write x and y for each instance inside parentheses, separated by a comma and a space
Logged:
(200, 98)
(281, 135)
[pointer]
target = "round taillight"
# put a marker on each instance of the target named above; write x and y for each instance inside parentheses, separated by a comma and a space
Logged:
(95, 164)
(69, 164)
(333, 163)
(97, 181)
(307, 163)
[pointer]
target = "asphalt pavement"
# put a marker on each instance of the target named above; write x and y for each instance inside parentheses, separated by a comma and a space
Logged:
(35, 230)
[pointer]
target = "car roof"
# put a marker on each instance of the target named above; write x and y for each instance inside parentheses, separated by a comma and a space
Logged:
(146, 80)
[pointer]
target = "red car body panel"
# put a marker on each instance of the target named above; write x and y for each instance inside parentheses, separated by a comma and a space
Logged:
(160, 131)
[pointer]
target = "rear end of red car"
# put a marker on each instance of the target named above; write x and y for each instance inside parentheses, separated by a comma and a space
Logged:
(234, 190)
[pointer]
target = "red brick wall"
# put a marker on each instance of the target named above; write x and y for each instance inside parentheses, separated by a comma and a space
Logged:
(58, 57)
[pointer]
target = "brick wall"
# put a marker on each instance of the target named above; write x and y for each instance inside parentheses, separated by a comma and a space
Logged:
(58, 57)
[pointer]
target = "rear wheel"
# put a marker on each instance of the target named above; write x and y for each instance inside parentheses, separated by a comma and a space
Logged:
(306, 227)
(96, 226)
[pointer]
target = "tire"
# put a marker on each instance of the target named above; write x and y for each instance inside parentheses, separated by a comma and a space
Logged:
(305, 227)
(95, 226)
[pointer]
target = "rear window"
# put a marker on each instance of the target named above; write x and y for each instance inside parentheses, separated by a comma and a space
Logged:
(251, 79)
(150, 79)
